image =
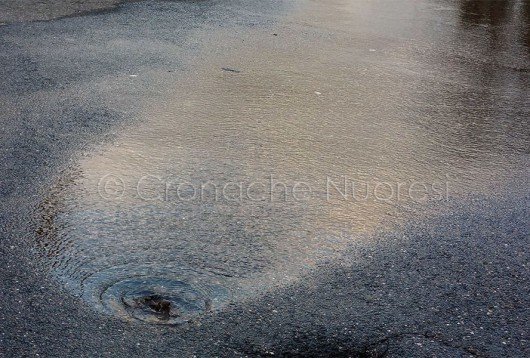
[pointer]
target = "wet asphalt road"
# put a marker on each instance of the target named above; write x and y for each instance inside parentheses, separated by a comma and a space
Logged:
(455, 284)
(450, 290)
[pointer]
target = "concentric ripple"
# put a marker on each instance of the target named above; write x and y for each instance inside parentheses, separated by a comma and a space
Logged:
(163, 301)
(160, 294)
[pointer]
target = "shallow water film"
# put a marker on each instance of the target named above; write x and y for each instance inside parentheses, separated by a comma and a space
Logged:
(273, 145)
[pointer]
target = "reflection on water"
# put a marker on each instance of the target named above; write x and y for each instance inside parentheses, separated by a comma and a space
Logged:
(525, 14)
(494, 12)
(506, 22)
(364, 115)
(501, 32)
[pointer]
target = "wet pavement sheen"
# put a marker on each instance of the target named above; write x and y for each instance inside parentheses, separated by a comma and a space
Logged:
(282, 145)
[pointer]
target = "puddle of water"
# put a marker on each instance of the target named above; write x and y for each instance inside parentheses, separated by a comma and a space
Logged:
(279, 151)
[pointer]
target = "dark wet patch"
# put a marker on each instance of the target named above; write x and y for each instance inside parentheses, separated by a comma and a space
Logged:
(29, 12)
(228, 69)
(93, 12)
(39, 12)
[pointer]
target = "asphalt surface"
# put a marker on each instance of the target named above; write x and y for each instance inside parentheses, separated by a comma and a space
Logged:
(34, 10)
(452, 284)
